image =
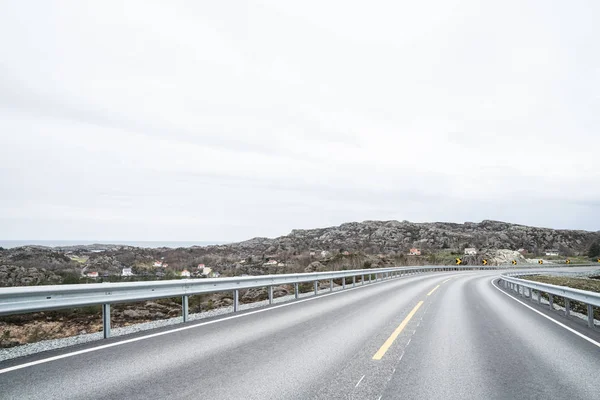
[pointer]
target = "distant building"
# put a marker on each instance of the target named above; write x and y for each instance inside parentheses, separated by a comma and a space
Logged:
(201, 266)
(470, 251)
(312, 253)
(92, 274)
(185, 273)
(324, 253)
(126, 272)
(414, 252)
(280, 264)
(242, 261)
(552, 252)
(271, 262)
(346, 253)
(157, 264)
(206, 271)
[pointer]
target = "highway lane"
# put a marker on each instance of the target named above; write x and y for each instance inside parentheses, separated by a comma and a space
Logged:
(466, 339)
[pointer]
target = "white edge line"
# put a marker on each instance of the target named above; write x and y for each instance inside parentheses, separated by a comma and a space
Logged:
(581, 335)
(359, 381)
(183, 328)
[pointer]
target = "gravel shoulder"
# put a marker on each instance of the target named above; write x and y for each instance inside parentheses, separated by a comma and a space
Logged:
(32, 348)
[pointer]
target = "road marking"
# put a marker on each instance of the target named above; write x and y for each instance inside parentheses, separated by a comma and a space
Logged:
(384, 348)
(363, 377)
(433, 290)
(581, 335)
(184, 328)
(446, 280)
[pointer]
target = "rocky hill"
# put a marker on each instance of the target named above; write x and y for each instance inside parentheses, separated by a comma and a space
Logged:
(351, 245)
(398, 237)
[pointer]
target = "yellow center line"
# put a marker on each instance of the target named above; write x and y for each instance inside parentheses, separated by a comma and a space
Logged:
(384, 348)
(446, 280)
(433, 290)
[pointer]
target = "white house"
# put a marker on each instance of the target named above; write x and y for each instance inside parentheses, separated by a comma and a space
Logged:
(126, 272)
(312, 253)
(157, 264)
(552, 252)
(92, 274)
(280, 264)
(206, 271)
(185, 273)
(470, 251)
(271, 262)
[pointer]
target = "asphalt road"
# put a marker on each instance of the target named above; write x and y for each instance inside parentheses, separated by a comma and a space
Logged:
(436, 336)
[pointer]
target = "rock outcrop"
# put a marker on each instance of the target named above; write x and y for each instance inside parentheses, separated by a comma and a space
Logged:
(13, 275)
(387, 237)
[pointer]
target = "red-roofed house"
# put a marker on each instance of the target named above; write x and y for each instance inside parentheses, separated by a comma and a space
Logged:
(414, 252)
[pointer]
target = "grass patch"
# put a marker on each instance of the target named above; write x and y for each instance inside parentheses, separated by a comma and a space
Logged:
(591, 285)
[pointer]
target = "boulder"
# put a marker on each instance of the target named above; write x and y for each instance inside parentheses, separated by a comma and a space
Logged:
(254, 295)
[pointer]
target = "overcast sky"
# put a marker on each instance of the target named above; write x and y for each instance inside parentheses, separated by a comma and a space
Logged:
(224, 120)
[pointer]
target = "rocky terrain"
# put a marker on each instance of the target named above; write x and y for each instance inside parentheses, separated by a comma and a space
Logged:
(351, 245)
(397, 237)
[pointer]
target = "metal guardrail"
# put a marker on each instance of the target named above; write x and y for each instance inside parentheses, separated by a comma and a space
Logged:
(19, 300)
(591, 299)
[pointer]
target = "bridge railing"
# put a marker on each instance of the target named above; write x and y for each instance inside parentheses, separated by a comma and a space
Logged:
(527, 289)
(19, 300)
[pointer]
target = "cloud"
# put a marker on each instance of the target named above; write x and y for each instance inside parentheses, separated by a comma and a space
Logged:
(193, 121)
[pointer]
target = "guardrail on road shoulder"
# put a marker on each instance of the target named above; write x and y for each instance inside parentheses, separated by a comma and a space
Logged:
(591, 299)
(18, 300)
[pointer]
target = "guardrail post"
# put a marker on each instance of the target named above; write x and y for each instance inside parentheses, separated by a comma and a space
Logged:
(316, 283)
(590, 312)
(331, 285)
(236, 300)
(106, 320)
(296, 290)
(354, 281)
(270, 290)
(362, 280)
(370, 278)
(539, 293)
(184, 308)
(567, 307)
(344, 283)
(551, 301)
